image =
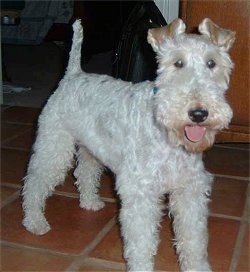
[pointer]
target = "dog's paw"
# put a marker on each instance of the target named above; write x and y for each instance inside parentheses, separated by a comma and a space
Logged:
(92, 205)
(38, 227)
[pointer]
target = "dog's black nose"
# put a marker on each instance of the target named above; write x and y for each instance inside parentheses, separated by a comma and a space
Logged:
(198, 115)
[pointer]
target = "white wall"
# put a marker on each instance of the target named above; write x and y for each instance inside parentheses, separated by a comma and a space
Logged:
(169, 9)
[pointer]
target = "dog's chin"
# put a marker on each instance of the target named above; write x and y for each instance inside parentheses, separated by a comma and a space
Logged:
(192, 145)
(197, 147)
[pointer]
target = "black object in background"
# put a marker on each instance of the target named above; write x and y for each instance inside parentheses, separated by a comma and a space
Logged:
(135, 59)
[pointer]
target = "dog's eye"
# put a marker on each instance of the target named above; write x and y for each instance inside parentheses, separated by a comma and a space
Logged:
(179, 63)
(211, 64)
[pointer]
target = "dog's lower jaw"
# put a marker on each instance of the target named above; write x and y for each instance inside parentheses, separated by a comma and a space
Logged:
(204, 144)
(177, 138)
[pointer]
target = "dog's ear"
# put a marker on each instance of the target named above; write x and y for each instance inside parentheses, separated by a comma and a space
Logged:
(221, 37)
(157, 35)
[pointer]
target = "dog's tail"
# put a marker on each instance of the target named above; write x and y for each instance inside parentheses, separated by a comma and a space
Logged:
(74, 64)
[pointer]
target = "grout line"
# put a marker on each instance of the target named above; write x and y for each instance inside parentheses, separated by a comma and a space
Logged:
(5, 107)
(99, 237)
(240, 237)
(95, 262)
(224, 216)
(58, 193)
(16, 123)
(75, 265)
(16, 136)
(10, 199)
(76, 195)
(109, 200)
(232, 177)
(231, 147)
(113, 200)
(11, 185)
(37, 249)
(66, 194)
(16, 148)
(20, 123)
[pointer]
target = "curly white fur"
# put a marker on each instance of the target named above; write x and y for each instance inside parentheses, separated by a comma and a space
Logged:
(141, 137)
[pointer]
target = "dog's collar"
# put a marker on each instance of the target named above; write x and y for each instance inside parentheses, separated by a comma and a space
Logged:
(155, 90)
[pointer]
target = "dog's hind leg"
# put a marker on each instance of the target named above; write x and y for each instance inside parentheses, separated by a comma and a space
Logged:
(88, 173)
(52, 157)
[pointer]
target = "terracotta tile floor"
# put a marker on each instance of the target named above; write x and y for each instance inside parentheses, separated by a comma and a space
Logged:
(90, 241)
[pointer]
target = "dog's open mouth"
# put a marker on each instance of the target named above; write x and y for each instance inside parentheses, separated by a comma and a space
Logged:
(195, 133)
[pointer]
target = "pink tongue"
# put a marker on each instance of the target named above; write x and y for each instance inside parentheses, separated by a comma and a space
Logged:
(195, 133)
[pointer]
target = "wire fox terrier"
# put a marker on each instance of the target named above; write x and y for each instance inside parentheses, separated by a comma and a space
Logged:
(150, 134)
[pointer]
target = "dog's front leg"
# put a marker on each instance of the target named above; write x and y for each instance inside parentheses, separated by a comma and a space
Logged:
(189, 209)
(139, 217)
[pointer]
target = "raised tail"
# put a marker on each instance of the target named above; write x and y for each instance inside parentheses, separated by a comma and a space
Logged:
(74, 64)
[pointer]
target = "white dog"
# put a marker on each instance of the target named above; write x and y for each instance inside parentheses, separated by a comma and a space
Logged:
(150, 134)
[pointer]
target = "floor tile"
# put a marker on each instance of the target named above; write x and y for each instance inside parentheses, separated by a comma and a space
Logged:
(24, 141)
(106, 190)
(68, 186)
(21, 114)
(72, 227)
(223, 234)
(244, 262)
(6, 192)
(20, 259)
(4, 107)
(220, 246)
(243, 146)
(111, 248)
(13, 165)
(108, 186)
(166, 258)
(227, 161)
(228, 196)
(98, 269)
(8, 130)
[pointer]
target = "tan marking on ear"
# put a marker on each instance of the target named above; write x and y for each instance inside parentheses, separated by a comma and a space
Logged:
(157, 35)
(219, 36)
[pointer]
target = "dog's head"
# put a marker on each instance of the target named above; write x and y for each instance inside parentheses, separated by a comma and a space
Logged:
(193, 75)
